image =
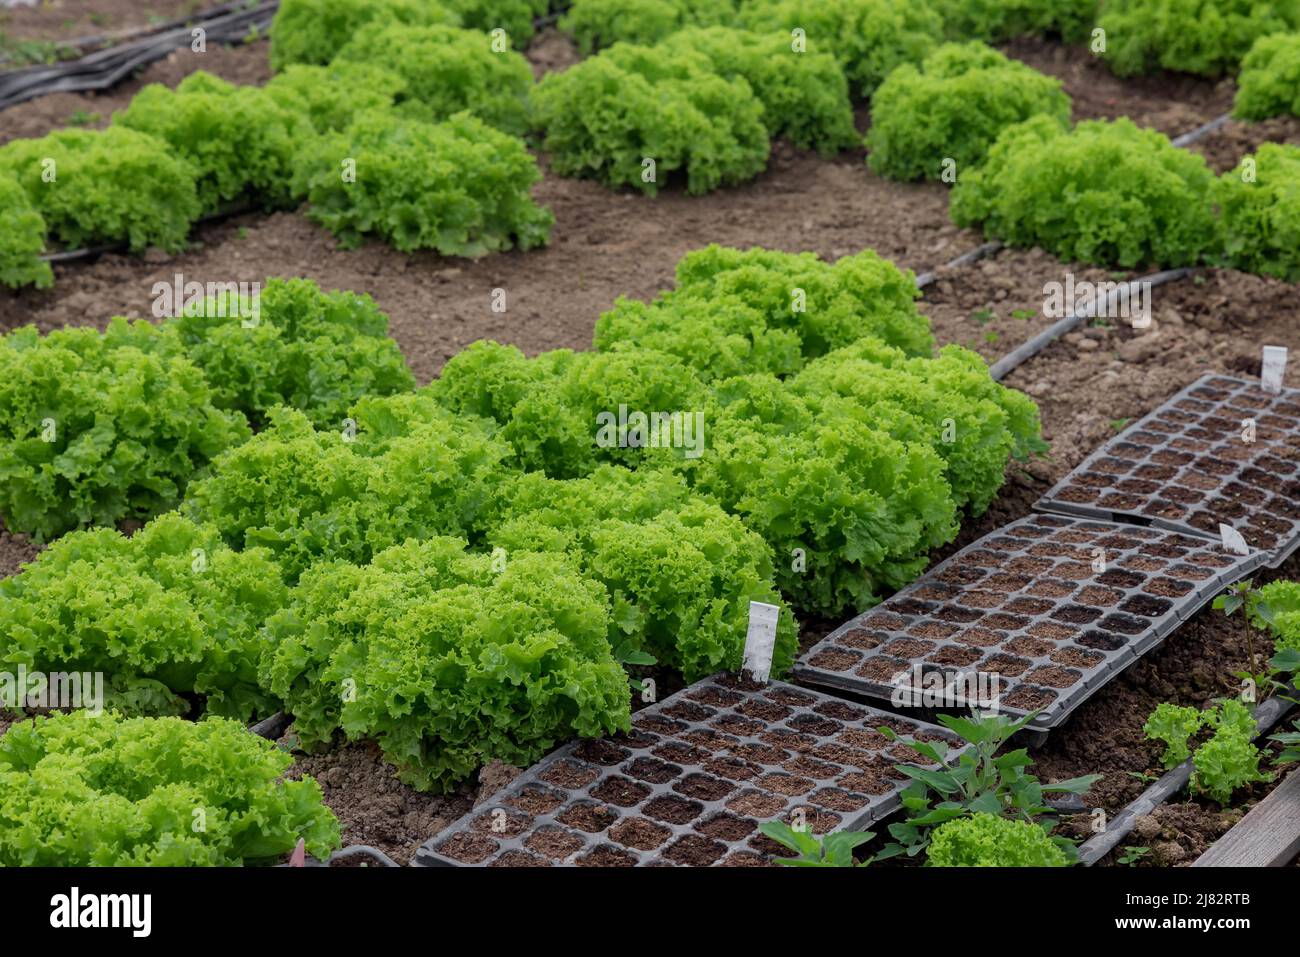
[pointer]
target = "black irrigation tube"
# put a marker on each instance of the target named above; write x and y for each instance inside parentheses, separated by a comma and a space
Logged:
(966, 258)
(89, 252)
(1268, 714)
(117, 38)
(1027, 350)
(104, 68)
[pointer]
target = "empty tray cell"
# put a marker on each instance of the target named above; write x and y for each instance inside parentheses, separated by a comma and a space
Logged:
(675, 792)
(1221, 451)
(1077, 601)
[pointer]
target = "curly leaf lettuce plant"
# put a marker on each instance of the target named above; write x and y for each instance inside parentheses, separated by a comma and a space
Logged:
(106, 186)
(868, 37)
(295, 345)
(735, 312)
(402, 469)
(459, 186)
(1269, 82)
(1259, 206)
(1106, 192)
(1207, 37)
(22, 239)
(445, 661)
(561, 411)
(1223, 764)
(952, 107)
(313, 31)
(997, 20)
(804, 95)
(79, 790)
(1229, 760)
(636, 115)
(331, 96)
(98, 427)
(1282, 618)
(974, 424)
(446, 70)
(240, 142)
(848, 511)
(515, 17)
(170, 611)
(680, 572)
(1174, 726)
(596, 24)
(988, 840)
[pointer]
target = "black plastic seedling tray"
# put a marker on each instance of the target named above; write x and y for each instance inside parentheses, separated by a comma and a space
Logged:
(1187, 468)
(693, 781)
(1028, 604)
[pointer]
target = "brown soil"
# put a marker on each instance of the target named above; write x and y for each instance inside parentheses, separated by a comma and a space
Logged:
(373, 806)
(639, 833)
(66, 20)
(607, 243)
(15, 551)
(1172, 103)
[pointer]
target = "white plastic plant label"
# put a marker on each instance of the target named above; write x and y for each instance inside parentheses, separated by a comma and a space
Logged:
(1232, 540)
(1273, 369)
(760, 641)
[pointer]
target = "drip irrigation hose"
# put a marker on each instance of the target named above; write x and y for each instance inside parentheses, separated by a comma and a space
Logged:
(116, 37)
(1027, 350)
(73, 255)
(1202, 131)
(1268, 714)
(271, 728)
(361, 850)
(104, 68)
(965, 259)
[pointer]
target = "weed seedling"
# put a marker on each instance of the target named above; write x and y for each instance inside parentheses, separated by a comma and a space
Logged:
(979, 780)
(832, 850)
(1132, 855)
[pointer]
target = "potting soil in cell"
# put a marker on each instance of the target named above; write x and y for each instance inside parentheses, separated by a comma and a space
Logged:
(1221, 451)
(1033, 617)
(693, 781)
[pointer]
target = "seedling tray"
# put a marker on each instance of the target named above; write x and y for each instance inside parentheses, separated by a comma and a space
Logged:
(1035, 603)
(692, 782)
(1186, 467)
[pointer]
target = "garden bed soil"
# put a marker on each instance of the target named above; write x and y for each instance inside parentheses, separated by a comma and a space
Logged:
(607, 243)
(1173, 103)
(66, 20)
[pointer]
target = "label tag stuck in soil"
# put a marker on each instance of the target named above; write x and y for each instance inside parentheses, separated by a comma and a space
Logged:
(1273, 369)
(1232, 540)
(760, 641)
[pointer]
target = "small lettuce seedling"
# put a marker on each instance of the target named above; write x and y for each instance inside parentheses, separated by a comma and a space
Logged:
(1175, 726)
(1226, 762)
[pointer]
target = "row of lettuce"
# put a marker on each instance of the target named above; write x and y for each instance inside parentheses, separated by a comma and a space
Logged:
(426, 151)
(460, 572)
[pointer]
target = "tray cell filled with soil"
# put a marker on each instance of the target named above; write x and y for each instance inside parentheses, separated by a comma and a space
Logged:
(684, 795)
(1080, 601)
(1221, 451)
